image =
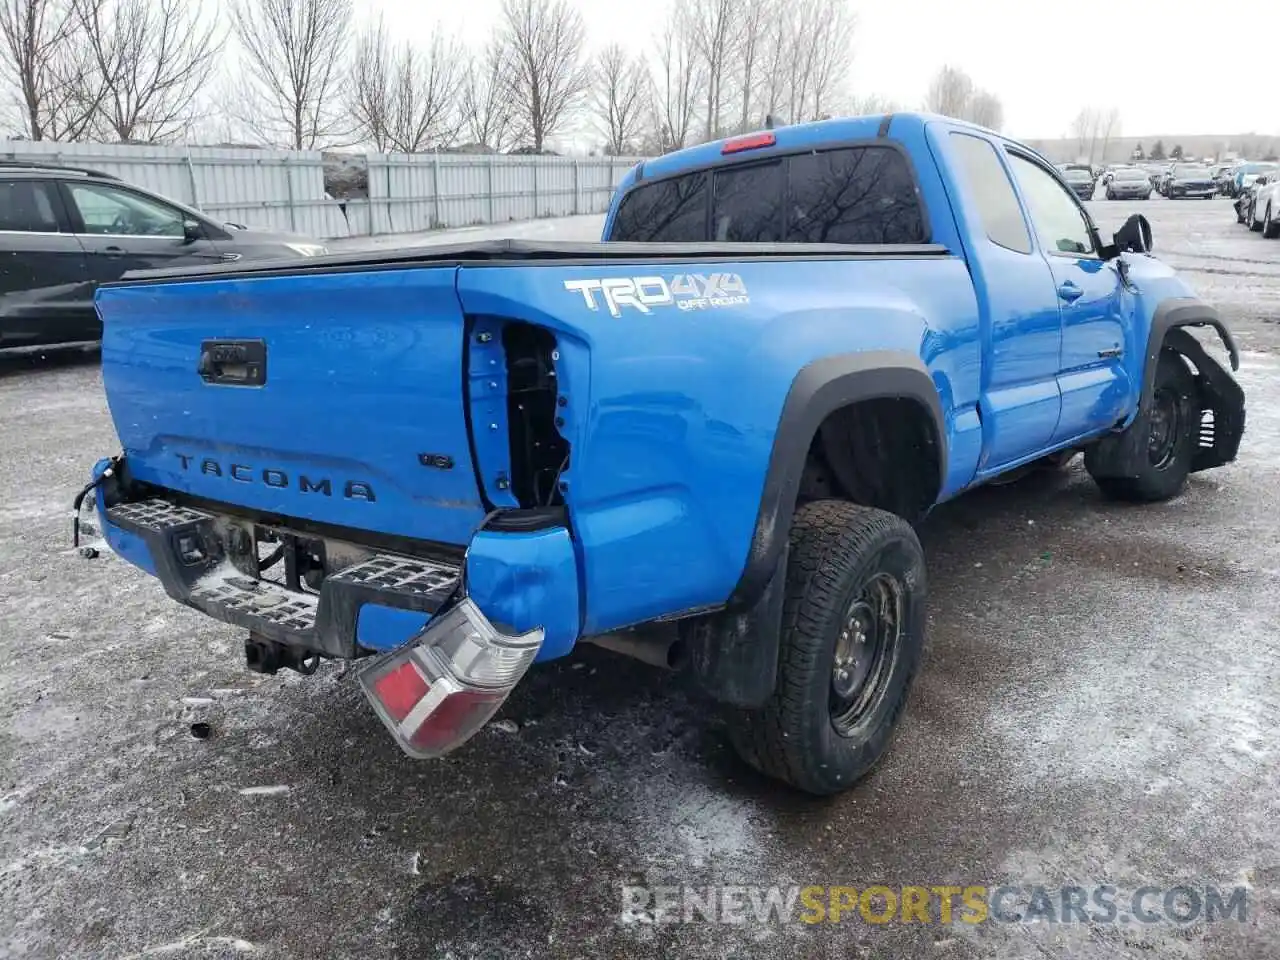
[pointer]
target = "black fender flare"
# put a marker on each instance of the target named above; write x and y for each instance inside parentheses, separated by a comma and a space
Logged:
(820, 388)
(1118, 454)
(733, 652)
(1180, 312)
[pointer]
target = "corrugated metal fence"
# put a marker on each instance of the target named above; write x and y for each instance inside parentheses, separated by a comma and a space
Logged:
(408, 193)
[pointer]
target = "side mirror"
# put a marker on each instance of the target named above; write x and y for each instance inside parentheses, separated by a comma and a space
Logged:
(1135, 235)
(192, 230)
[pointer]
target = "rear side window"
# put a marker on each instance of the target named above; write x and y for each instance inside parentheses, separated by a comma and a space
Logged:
(748, 204)
(992, 192)
(668, 211)
(856, 195)
(27, 206)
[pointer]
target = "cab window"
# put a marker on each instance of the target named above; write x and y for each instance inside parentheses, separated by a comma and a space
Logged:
(667, 211)
(863, 194)
(853, 195)
(748, 204)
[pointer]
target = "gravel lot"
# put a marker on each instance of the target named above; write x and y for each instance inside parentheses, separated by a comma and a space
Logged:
(1098, 705)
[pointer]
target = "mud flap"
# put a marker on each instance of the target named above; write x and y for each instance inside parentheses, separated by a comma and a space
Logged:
(1220, 401)
(733, 654)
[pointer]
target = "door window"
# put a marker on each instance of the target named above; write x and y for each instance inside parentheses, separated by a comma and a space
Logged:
(1059, 222)
(110, 210)
(27, 206)
(992, 192)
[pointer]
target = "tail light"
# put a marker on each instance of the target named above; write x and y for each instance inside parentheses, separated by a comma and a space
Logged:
(436, 692)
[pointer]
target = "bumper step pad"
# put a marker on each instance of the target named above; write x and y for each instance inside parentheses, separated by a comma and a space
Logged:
(325, 622)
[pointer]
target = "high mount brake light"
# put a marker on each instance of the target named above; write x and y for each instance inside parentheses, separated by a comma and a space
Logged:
(437, 691)
(752, 141)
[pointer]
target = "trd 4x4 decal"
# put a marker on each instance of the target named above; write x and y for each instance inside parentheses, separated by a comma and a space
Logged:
(688, 291)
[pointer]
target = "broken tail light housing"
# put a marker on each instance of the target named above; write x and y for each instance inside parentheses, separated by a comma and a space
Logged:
(437, 691)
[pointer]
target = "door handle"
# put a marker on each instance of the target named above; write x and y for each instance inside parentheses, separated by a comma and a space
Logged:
(113, 251)
(1070, 292)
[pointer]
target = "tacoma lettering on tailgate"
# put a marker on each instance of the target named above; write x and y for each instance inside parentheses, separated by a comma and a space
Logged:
(275, 477)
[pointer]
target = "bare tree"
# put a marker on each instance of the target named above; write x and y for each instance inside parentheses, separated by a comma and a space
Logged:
(678, 81)
(753, 38)
(713, 28)
(871, 104)
(489, 110)
(548, 78)
(619, 98)
(807, 48)
(51, 74)
(294, 61)
(152, 59)
(369, 95)
(949, 93)
(832, 40)
(1110, 128)
(404, 98)
(954, 94)
(986, 110)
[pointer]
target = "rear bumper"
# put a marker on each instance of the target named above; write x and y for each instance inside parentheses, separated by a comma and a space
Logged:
(371, 601)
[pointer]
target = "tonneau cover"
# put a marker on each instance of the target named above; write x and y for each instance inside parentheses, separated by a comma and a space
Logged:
(525, 250)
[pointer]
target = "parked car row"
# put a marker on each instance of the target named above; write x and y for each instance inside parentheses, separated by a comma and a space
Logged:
(64, 231)
(1235, 179)
(1258, 204)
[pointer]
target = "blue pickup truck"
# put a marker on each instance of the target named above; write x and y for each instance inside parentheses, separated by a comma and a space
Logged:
(703, 441)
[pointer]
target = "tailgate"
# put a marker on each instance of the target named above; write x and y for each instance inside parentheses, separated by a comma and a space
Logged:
(332, 397)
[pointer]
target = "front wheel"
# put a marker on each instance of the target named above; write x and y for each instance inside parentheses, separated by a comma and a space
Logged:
(1251, 218)
(1173, 428)
(852, 636)
(1270, 227)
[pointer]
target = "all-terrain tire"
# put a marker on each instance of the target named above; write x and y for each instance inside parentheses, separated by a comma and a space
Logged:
(1270, 226)
(1163, 477)
(839, 552)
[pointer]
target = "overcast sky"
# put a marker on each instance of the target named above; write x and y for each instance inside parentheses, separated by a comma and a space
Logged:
(1172, 67)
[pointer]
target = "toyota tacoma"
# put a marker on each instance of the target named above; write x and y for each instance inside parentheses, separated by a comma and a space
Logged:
(704, 440)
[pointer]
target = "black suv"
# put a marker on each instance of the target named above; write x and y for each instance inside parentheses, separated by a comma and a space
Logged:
(64, 230)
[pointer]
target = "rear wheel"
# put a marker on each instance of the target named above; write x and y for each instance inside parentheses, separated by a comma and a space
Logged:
(852, 636)
(1173, 426)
